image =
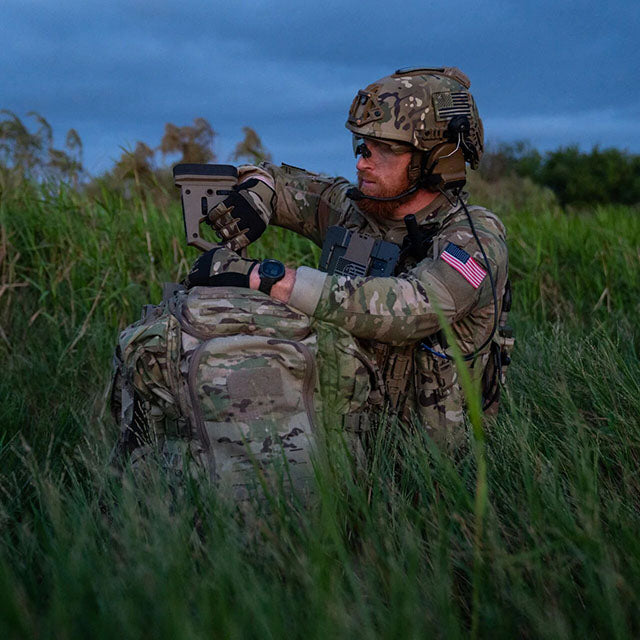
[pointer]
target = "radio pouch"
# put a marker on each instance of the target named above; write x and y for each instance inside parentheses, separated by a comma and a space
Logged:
(350, 254)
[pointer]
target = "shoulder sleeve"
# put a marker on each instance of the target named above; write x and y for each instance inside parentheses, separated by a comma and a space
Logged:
(461, 265)
(404, 309)
(307, 203)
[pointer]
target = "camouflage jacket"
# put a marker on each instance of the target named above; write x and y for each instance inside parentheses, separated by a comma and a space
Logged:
(391, 316)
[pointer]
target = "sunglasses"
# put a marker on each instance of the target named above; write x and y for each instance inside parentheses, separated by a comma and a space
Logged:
(362, 147)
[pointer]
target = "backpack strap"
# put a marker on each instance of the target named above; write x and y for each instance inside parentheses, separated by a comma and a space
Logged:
(494, 376)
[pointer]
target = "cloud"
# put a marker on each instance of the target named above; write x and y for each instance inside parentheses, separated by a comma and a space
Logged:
(119, 71)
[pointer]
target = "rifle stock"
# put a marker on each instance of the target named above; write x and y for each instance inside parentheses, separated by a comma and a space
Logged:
(202, 187)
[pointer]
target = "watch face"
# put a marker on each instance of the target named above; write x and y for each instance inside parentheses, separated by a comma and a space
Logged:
(272, 269)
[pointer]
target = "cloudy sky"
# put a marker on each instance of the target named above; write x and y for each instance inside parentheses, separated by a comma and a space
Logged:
(550, 72)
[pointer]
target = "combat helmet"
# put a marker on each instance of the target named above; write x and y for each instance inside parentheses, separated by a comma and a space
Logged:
(430, 110)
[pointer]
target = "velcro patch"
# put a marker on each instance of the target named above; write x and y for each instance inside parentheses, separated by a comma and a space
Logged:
(256, 383)
(464, 264)
(447, 105)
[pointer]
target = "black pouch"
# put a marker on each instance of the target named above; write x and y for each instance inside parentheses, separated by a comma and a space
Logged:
(351, 254)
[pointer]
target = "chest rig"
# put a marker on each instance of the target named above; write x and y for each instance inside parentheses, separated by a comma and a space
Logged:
(353, 253)
(396, 363)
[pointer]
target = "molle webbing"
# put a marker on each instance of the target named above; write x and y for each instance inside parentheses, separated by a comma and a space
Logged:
(396, 366)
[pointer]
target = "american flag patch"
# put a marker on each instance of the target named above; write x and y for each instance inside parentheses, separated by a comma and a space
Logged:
(447, 105)
(462, 262)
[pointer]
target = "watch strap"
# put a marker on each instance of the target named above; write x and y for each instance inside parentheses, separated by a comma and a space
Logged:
(266, 284)
(267, 281)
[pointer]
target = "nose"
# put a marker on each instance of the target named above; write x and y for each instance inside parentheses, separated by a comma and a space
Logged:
(363, 163)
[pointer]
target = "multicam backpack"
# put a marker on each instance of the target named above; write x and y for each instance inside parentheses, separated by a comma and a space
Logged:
(234, 383)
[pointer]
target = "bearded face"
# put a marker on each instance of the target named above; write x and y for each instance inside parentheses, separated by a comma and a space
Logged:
(383, 173)
(383, 185)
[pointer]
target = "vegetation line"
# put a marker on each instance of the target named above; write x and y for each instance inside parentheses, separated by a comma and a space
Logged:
(530, 531)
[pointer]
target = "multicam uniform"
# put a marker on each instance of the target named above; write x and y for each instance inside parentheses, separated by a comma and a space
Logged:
(391, 316)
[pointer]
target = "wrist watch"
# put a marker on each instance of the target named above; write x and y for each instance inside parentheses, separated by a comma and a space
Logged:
(270, 272)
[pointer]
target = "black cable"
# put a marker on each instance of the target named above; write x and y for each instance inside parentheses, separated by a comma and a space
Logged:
(472, 356)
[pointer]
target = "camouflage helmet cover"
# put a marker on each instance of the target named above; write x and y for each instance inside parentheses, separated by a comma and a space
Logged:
(415, 106)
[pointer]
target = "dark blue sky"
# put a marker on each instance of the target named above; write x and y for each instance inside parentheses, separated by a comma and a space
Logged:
(549, 72)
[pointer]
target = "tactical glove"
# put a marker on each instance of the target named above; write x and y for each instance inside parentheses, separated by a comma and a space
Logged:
(220, 267)
(242, 217)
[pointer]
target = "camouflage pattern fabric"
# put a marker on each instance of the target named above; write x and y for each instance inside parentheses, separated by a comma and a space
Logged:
(391, 315)
(233, 385)
(227, 382)
(415, 107)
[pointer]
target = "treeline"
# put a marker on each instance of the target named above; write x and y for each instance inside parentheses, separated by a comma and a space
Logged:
(27, 152)
(602, 176)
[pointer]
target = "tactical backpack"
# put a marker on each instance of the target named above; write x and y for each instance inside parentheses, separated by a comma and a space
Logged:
(233, 384)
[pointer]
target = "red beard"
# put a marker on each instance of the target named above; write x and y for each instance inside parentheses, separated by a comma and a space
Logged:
(383, 210)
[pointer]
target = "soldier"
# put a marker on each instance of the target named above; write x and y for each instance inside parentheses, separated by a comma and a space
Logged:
(413, 132)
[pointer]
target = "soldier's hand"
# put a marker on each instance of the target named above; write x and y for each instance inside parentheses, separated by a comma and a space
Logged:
(220, 267)
(242, 217)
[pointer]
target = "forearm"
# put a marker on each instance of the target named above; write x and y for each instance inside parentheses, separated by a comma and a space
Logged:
(393, 310)
(281, 290)
(306, 203)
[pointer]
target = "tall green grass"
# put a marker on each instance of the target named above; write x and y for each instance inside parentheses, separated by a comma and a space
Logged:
(385, 551)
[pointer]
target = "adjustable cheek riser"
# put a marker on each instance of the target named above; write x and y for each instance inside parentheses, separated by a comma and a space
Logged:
(202, 187)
